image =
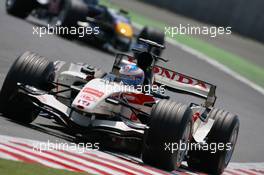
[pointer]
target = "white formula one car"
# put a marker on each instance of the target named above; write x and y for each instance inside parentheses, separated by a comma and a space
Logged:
(95, 103)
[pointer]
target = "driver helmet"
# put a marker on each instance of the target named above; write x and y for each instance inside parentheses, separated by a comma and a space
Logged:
(132, 75)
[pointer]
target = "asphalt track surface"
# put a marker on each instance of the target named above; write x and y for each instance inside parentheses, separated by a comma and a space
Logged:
(247, 48)
(16, 37)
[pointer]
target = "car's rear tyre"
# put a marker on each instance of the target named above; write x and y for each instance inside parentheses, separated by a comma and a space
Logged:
(224, 131)
(71, 12)
(170, 124)
(153, 35)
(20, 8)
(30, 69)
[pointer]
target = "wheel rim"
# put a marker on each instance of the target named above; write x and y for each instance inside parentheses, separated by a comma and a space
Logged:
(10, 3)
(184, 140)
(58, 20)
(232, 140)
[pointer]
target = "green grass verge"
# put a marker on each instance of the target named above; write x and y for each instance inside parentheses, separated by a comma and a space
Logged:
(19, 168)
(240, 65)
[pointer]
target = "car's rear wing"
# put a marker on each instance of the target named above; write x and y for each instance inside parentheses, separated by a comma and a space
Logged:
(179, 82)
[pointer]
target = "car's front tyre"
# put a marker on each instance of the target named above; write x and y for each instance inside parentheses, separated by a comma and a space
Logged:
(30, 69)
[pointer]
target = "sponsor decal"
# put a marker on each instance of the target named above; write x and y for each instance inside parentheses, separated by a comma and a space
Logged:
(83, 102)
(88, 97)
(139, 98)
(93, 92)
(175, 76)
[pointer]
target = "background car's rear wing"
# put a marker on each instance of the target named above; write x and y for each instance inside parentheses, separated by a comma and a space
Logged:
(176, 81)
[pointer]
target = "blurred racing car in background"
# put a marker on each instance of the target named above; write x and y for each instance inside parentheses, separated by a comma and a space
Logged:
(91, 102)
(114, 28)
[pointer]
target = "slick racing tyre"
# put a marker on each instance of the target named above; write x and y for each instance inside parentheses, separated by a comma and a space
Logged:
(20, 8)
(224, 132)
(29, 69)
(170, 124)
(71, 12)
(153, 35)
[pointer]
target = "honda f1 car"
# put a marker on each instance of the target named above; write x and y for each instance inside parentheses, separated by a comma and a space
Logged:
(92, 102)
(112, 29)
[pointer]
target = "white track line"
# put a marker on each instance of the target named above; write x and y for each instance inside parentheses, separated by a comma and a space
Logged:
(96, 162)
(127, 163)
(134, 163)
(41, 161)
(91, 164)
(7, 156)
(95, 155)
(234, 165)
(93, 161)
(212, 62)
(58, 157)
(218, 65)
(245, 172)
(95, 158)
(253, 172)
